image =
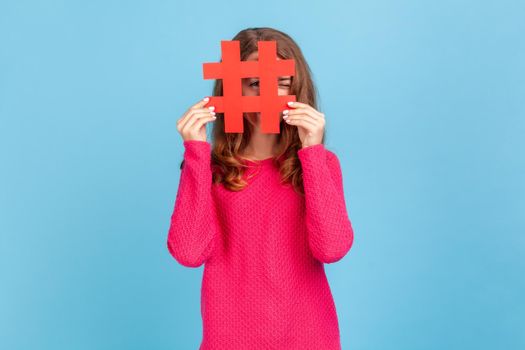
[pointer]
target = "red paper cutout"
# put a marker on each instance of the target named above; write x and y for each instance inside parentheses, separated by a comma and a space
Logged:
(231, 70)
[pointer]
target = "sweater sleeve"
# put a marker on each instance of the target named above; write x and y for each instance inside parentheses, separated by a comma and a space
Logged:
(330, 233)
(193, 227)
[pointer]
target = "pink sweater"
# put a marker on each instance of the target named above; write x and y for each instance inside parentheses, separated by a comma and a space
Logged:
(264, 285)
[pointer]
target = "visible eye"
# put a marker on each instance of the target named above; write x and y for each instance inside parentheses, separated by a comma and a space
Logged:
(285, 83)
(254, 83)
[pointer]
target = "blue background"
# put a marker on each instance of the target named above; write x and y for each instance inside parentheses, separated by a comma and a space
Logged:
(425, 108)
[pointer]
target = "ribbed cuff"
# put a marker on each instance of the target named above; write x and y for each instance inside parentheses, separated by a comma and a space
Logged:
(315, 151)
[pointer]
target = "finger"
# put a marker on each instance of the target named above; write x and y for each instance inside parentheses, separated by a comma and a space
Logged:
(302, 114)
(184, 126)
(295, 104)
(190, 125)
(191, 112)
(304, 122)
(201, 121)
(198, 105)
(300, 111)
(201, 103)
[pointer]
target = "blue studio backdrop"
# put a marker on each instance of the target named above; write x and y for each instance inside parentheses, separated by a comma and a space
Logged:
(425, 107)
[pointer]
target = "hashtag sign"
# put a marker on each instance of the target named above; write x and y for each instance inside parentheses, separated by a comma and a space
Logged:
(231, 70)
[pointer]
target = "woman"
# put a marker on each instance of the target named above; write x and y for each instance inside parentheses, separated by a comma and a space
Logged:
(263, 212)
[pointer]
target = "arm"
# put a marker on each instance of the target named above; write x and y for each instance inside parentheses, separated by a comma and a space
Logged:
(330, 233)
(193, 227)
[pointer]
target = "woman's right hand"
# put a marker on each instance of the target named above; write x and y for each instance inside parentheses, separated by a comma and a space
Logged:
(192, 125)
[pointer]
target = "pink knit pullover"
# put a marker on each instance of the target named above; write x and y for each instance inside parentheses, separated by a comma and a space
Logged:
(264, 285)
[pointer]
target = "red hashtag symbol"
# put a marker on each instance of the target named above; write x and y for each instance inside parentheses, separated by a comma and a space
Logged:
(231, 70)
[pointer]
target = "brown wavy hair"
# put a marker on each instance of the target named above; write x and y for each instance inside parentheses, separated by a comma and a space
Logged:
(226, 162)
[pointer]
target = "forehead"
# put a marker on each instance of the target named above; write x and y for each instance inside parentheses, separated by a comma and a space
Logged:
(254, 56)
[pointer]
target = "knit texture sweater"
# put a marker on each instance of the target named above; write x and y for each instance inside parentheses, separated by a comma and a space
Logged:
(263, 248)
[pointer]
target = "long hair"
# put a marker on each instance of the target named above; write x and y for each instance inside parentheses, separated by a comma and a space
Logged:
(228, 167)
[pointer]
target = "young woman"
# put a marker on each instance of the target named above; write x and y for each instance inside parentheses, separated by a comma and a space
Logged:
(263, 212)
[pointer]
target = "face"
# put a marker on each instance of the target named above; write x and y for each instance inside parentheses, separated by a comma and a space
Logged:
(250, 86)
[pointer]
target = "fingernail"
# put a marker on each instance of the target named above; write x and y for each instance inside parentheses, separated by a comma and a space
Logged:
(206, 99)
(286, 111)
(285, 116)
(290, 103)
(211, 108)
(212, 113)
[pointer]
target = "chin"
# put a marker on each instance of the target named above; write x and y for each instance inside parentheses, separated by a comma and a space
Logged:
(252, 117)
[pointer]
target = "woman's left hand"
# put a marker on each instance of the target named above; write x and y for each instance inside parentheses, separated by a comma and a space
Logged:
(310, 123)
